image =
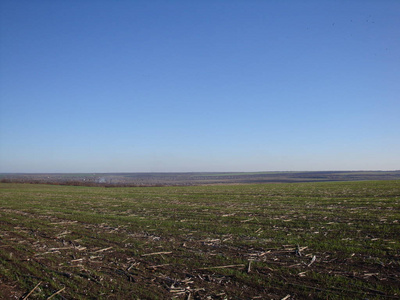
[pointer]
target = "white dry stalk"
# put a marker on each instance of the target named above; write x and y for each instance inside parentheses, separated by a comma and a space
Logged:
(62, 248)
(302, 274)
(78, 259)
(157, 253)
(102, 250)
(26, 297)
(56, 293)
(248, 220)
(312, 260)
(249, 267)
(223, 267)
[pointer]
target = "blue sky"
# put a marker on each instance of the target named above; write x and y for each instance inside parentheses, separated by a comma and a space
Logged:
(167, 86)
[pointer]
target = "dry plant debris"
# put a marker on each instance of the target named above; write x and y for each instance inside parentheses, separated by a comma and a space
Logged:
(281, 241)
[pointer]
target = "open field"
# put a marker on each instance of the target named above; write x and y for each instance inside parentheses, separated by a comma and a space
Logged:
(335, 240)
(189, 179)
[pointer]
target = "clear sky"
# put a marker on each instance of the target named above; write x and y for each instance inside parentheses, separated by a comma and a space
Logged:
(166, 86)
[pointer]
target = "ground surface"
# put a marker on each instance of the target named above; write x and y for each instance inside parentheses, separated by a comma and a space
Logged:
(274, 241)
(190, 179)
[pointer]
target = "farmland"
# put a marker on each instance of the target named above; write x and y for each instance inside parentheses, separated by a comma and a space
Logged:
(315, 240)
(192, 179)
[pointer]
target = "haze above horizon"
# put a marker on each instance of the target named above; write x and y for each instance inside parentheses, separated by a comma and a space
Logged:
(200, 86)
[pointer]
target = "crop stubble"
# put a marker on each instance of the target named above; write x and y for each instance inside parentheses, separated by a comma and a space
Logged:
(299, 241)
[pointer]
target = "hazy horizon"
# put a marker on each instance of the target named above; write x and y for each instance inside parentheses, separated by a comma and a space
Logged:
(211, 172)
(210, 86)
